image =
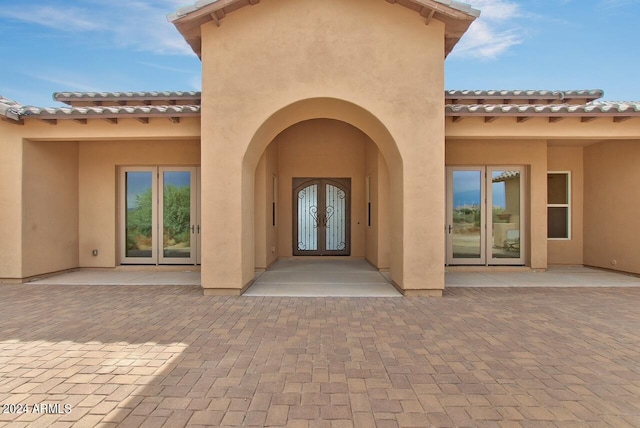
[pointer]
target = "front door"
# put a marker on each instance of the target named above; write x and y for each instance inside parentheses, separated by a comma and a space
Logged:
(485, 215)
(322, 220)
(160, 215)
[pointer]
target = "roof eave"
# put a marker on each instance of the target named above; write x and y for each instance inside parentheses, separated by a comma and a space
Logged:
(456, 16)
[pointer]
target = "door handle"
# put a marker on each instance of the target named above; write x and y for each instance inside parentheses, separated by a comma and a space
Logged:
(198, 228)
(193, 229)
(450, 228)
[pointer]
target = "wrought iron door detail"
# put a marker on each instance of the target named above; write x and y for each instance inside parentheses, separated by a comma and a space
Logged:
(321, 207)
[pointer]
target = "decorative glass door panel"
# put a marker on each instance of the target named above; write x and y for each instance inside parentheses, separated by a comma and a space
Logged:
(485, 215)
(160, 215)
(335, 218)
(322, 216)
(307, 209)
(465, 228)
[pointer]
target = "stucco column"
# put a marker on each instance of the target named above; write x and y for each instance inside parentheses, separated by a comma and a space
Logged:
(224, 264)
(10, 203)
(423, 189)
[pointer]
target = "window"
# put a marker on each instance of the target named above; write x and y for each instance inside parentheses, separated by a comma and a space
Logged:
(559, 205)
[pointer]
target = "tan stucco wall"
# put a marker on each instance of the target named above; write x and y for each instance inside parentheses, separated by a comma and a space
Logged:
(266, 240)
(530, 153)
(611, 204)
(322, 148)
(540, 128)
(41, 210)
(98, 172)
(569, 252)
(101, 130)
(272, 65)
(377, 236)
(50, 207)
(10, 201)
(372, 174)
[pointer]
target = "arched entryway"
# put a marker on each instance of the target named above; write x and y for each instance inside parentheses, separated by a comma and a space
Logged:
(342, 175)
(230, 251)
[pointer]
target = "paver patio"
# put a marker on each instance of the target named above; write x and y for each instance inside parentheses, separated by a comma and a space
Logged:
(165, 355)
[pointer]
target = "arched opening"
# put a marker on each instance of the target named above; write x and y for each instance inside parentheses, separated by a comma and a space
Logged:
(323, 139)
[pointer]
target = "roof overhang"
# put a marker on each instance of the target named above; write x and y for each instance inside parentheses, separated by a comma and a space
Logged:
(618, 111)
(553, 106)
(456, 16)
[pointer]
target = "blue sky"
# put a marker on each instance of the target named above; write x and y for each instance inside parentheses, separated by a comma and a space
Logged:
(127, 45)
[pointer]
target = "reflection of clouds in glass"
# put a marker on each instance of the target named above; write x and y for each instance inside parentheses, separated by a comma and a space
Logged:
(465, 181)
(466, 188)
(137, 183)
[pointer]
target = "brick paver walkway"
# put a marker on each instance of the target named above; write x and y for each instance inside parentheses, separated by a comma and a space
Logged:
(154, 355)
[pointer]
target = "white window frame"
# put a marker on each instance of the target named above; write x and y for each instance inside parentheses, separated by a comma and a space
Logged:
(567, 206)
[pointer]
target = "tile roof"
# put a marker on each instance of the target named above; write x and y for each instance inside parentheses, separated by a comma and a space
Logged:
(126, 96)
(591, 94)
(16, 111)
(506, 175)
(9, 108)
(590, 109)
(110, 111)
(520, 108)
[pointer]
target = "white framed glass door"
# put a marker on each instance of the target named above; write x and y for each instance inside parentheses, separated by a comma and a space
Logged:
(466, 234)
(177, 214)
(139, 215)
(160, 215)
(505, 214)
(485, 215)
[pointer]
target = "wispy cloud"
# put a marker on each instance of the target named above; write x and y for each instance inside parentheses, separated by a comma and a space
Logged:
(66, 81)
(493, 33)
(138, 24)
(67, 19)
(612, 4)
(143, 25)
(165, 68)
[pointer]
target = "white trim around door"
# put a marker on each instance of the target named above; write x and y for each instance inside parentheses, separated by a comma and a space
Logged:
(485, 215)
(159, 219)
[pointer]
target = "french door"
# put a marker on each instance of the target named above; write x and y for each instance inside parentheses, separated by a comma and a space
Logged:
(322, 216)
(160, 215)
(485, 215)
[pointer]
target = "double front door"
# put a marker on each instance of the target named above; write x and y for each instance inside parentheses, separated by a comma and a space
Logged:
(321, 210)
(485, 215)
(159, 215)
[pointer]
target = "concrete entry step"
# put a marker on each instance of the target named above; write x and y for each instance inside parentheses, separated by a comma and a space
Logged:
(322, 278)
(554, 276)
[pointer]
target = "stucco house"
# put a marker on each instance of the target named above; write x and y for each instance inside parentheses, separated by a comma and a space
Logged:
(323, 129)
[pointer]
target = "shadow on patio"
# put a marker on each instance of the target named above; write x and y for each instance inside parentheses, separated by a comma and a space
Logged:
(167, 355)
